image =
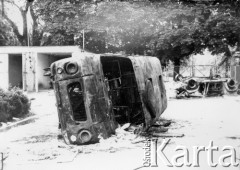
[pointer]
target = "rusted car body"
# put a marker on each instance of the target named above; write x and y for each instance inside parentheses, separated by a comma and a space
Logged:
(207, 86)
(95, 93)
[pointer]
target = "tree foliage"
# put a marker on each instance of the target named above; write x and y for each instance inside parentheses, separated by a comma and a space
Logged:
(170, 29)
(63, 20)
(219, 31)
(34, 38)
(3, 33)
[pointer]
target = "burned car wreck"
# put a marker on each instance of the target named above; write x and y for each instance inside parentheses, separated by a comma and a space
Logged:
(95, 93)
(205, 86)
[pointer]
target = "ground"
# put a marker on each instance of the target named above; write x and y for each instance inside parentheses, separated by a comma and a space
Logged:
(36, 146)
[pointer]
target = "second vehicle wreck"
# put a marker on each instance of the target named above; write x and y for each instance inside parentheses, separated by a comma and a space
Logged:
(95, 93)
(206, 86)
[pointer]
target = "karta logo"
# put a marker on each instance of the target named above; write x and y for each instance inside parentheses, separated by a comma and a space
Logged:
(154, 153)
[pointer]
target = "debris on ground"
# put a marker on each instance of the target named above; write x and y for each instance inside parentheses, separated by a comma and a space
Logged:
(158, 129)
(234, 137)
(167, 135)
(128, 136)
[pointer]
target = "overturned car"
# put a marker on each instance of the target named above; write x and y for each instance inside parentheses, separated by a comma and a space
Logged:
(205, 86)
(95, 93)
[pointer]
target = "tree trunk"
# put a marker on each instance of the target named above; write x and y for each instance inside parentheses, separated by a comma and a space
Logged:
(36, 35)
(2, 7)
(228, 58)
(176, 68)
(24, 38)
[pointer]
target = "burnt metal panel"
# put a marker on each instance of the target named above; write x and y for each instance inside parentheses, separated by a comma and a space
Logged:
(150, 68)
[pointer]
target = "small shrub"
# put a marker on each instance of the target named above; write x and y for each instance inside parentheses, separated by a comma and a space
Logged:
(4, 116)
(13, 103)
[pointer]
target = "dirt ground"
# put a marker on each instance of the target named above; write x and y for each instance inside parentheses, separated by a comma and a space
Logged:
(35, 145)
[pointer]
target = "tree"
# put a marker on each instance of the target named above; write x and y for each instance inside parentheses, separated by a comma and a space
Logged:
(163, 28)
(126, 25)
(7, 37)
(219, 32)
(176, 42)
(64, 20)
(36, 34)
(3, 33)
(172, 30)
(166, 29)
(197, 25)
(110, 26)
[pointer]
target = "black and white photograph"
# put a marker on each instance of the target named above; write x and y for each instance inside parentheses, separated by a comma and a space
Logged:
(119, 84)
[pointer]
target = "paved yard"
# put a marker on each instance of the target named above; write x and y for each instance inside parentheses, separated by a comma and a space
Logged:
(35, 145)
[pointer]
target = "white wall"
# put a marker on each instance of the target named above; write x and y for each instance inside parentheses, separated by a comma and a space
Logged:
(43, 61)
(29, 70)
(4, 71)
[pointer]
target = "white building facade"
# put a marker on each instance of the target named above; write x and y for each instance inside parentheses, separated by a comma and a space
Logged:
(23, 66)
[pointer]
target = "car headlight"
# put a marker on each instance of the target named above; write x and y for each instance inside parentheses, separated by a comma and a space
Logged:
(59, 70)
(84, 136)
(71, 68)
(192, 84)
(231, 84)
